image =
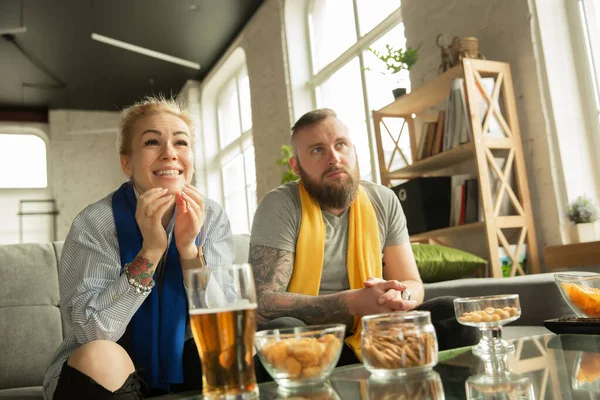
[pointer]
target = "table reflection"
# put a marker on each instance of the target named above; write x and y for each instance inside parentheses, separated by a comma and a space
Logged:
(586, 372)
(497, 382)
(320, 392)
(419, 386)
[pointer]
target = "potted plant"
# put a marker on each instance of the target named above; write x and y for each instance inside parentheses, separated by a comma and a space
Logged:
(583, 212)
(287, 174)
(396, 61)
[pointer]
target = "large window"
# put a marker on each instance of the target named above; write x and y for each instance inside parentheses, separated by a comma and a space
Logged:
(26, 154)
(236, 155)
(346, 76)
(590, 22)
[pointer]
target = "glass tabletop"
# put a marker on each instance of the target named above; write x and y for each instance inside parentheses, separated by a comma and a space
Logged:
(541, 367)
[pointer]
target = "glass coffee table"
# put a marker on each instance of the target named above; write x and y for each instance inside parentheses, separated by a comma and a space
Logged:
(541, 367)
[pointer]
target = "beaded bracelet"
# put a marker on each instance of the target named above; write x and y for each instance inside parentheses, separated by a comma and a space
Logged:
(136, 285)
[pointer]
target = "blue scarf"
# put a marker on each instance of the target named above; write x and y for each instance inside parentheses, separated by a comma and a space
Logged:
(158, 326)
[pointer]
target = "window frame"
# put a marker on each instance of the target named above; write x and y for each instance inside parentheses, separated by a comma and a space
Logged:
(237, 146)
(10, 129)
(588, 72)
(362, 44)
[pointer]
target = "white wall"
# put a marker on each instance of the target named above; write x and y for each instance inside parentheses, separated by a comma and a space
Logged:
(85, 160)
(576, 132)
(505, 33)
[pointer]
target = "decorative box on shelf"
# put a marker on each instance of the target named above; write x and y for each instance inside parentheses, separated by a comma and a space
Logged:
(426, 203)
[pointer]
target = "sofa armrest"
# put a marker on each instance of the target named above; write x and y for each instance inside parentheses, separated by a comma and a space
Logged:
(538, 294)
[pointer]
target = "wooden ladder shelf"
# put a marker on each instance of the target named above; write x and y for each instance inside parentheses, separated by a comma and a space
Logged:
(481, 150)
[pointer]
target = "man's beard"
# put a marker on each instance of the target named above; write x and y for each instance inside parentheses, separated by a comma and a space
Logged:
(336, 195)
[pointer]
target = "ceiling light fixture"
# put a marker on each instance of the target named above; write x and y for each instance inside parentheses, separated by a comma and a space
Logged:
(144, 51)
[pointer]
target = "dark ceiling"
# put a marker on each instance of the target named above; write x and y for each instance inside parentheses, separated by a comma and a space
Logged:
(97, 76)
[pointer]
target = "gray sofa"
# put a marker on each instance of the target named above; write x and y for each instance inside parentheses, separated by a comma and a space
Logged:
(31, 327)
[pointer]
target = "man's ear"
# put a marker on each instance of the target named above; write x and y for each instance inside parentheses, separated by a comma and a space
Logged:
(126, 165)
(294, 165)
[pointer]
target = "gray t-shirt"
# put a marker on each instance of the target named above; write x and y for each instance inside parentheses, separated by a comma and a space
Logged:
(277, 224)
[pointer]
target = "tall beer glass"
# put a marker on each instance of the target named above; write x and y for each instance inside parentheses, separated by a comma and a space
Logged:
(222, 303)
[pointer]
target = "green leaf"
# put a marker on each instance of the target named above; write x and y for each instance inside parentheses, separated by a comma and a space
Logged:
(396, 60)
(287, 174)
(446, 355)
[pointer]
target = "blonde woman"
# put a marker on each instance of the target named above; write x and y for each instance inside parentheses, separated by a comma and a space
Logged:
(123, 266)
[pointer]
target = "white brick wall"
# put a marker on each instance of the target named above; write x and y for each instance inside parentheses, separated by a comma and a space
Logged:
(85, 161)
(504, 33)
(262, 40)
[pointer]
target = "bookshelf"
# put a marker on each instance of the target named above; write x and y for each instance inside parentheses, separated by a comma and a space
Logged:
(498, 185)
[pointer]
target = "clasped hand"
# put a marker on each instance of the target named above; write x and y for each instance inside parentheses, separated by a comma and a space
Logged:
(151, 208)
(380, 296)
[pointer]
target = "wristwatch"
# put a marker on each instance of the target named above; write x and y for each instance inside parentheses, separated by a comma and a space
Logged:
(405, 294)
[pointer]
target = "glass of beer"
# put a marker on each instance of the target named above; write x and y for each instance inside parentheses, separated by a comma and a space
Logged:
(222, 304)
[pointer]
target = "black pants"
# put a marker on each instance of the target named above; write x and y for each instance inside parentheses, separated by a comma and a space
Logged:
(73, 384)
(450, 333)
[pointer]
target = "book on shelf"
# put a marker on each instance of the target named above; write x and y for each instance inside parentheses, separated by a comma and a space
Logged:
(507, 262)
(439, 133)
(458, 129)
(465, 200)
(494, 128)
(426, 144)
(431, 140)
(471, 201)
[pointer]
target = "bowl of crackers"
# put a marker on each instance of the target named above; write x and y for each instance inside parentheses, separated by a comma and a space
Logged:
(302, 356)
(581, 291)
(399, 343)
(489, 314)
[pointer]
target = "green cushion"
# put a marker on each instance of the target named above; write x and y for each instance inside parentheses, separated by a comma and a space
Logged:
(440, 263)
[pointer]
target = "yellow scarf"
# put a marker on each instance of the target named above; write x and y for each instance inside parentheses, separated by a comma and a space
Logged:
(364, 251)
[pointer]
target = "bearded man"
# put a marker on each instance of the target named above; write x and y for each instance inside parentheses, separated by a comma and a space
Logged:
(332, 248)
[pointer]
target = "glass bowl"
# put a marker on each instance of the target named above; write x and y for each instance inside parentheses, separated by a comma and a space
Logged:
(302, 356)
(581, 292)
(399, 343)
(489, 313)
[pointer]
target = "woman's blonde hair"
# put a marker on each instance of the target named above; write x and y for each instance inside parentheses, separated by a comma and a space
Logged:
(150, 105)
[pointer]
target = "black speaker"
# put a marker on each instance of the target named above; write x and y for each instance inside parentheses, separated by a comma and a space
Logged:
(426, 203)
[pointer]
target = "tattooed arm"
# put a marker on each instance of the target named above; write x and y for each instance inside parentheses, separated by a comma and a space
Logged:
(272, 273)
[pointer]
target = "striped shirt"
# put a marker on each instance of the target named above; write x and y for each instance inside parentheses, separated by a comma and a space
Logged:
(96, 300)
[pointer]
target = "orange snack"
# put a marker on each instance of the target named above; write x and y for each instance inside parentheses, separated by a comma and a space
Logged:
(589, 368)
(587, 299)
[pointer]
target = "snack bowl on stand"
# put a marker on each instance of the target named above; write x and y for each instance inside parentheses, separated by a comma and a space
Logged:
(489, 314)
(302, 356)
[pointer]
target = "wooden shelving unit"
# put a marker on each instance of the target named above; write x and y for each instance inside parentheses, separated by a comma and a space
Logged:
(481, 151)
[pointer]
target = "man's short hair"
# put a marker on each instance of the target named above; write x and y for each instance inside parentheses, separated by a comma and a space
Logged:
(309, 119)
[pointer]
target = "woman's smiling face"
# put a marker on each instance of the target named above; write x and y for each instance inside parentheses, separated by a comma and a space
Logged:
(161, 153)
